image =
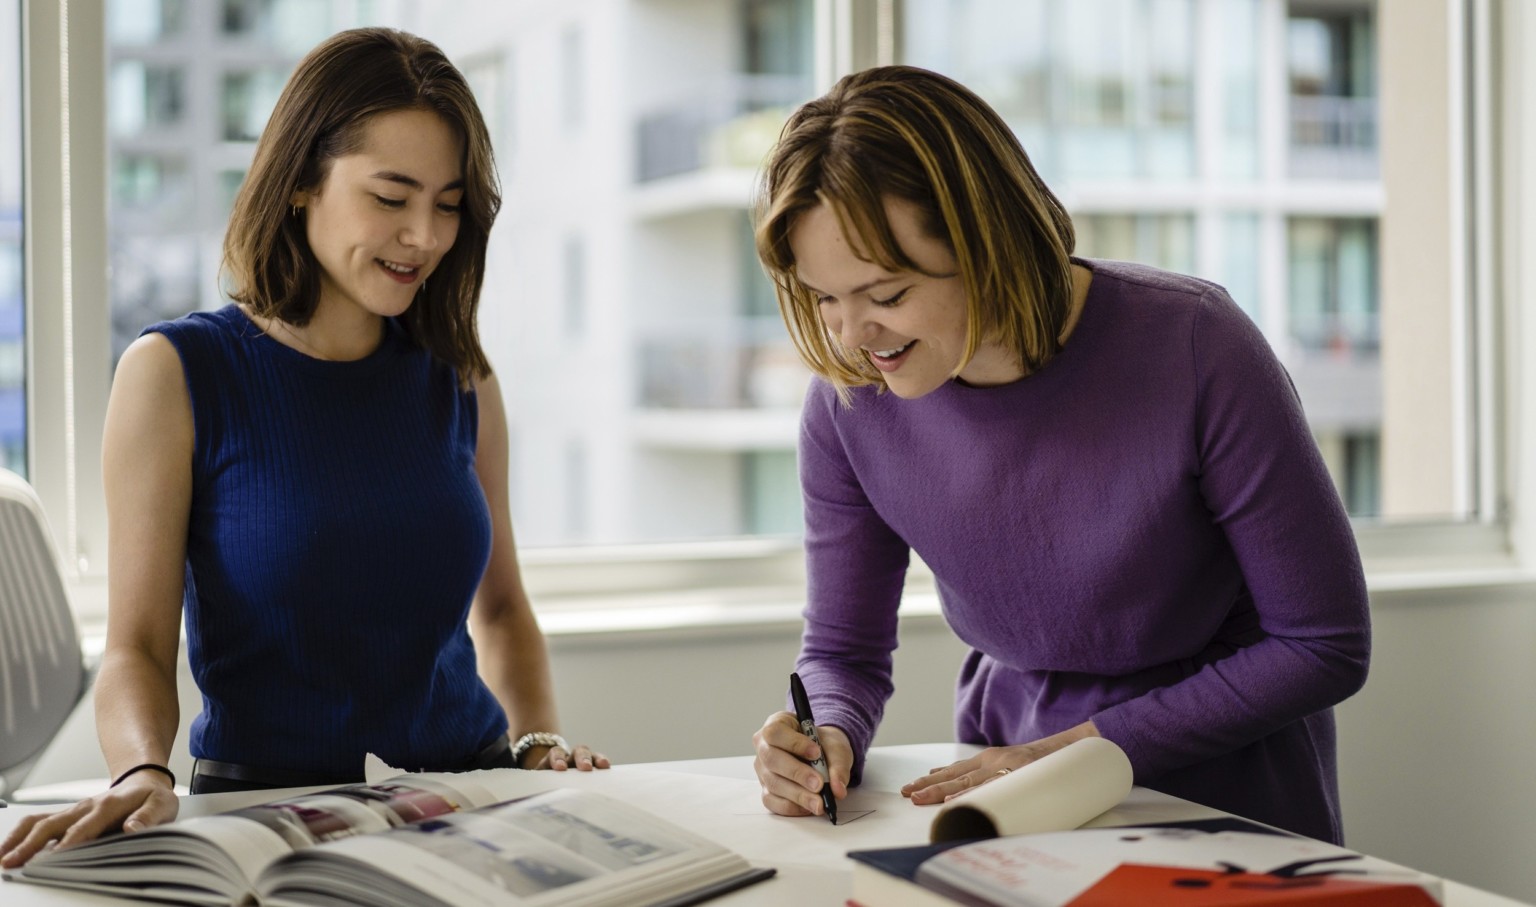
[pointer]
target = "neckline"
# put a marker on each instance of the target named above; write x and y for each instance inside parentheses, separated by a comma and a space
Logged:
(246, 327)
(1087, 319)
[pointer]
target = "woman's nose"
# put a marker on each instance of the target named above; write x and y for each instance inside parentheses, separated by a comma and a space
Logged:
(852, 327)
(420, 231)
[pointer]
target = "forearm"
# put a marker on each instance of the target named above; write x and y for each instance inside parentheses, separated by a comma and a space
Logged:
(848, 678)
(514, 663)
(137, 713)
(1234, 701)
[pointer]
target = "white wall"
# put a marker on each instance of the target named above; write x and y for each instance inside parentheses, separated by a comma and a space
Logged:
(1435, 753)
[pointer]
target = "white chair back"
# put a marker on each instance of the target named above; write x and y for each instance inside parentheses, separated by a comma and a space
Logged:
(42, 671)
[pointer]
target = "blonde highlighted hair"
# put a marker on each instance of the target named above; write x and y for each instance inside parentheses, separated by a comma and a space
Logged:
(907, 133)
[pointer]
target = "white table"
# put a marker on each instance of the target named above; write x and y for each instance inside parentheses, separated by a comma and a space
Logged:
(718, 798)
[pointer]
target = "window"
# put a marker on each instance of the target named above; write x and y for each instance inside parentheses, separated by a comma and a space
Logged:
(1333, 286)
(772, 493)
(146, 96)
(248, 100)
(1331, 68)
(487, 76)
(573, 78)
(146, 21)
(573, 255)
(1120, 119)
(13, 377)
(1241, 140)
(1164, 240)
(293, 26)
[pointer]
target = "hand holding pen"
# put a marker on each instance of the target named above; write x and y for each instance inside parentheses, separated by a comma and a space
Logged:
(783, 763)
(808, 728)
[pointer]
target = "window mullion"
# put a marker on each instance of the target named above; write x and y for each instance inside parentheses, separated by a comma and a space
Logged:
(66, 283)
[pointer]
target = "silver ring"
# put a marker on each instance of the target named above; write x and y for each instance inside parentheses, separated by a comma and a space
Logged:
(1004, 771)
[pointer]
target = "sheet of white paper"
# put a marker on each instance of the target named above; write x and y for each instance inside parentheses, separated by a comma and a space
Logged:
(731, 809)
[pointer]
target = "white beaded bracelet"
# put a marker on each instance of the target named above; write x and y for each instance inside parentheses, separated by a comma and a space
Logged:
(536, 738)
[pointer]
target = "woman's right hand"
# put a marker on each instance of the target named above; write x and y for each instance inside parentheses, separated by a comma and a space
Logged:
(142, 799)
(791, 787)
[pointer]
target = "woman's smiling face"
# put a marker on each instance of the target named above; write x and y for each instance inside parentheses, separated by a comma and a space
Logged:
(909, 324)
(383, 217)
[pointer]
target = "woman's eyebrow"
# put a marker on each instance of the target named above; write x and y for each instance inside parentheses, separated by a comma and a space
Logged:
(412, 182)
(861, 287)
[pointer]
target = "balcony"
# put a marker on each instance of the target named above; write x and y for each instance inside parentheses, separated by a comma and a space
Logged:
(702, 153)
(734, 385)
(1338, 333)
(731, 124)
(1335, 363)
(1333, 138)
(1341, 391)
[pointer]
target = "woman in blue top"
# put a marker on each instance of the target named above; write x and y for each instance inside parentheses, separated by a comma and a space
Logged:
(317, 474)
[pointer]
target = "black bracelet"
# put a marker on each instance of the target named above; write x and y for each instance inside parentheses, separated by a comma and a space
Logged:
(152, 766)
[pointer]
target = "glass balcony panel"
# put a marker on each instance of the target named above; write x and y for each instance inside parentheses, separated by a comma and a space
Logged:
(741, 363)
(731, 124)
(1333, 137)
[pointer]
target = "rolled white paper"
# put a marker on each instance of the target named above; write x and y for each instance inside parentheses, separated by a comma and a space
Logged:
(1058, 792)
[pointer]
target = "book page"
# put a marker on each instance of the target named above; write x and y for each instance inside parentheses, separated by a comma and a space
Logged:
(1056, 793)
(560, 846)
(224, 853)
(1162, 865)
(214, 853)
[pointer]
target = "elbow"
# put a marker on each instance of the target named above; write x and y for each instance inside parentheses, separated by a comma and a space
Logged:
(1349, 665)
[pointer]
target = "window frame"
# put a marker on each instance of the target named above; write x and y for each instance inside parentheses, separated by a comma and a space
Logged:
(68, 354)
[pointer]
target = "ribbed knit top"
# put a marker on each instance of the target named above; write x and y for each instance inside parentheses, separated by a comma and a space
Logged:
(1142, 533)
(337, 535)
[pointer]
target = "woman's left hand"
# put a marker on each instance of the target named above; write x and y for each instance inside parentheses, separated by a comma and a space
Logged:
(952, 780)
(583, 758)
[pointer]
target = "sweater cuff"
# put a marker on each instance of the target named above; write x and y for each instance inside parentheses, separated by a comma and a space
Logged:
(859, 735)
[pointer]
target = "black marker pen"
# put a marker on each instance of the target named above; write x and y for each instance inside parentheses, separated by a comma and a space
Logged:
(808, 728)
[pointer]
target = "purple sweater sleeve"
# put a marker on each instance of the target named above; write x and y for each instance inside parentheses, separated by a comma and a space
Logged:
(856, 567)
(1266, 487)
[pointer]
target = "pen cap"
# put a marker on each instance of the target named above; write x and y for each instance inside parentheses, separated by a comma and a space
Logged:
(797, 695)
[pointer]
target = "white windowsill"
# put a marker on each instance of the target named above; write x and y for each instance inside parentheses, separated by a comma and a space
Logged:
(745, 609)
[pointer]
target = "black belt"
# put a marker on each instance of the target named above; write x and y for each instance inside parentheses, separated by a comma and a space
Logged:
(287, 777)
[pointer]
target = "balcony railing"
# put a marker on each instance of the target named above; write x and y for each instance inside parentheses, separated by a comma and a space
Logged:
(1337, 332)
(1333, 137)
(747, 363)
(731, 124)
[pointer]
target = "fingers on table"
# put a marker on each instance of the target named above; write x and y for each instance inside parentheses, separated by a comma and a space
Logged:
(81, 822)
(584, 758)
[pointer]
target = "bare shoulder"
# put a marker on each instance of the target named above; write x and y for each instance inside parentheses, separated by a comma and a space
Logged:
(149, 400)
(488, 389)
(150, 360)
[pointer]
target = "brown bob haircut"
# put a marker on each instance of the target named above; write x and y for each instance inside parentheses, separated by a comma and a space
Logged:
(337, 88)
(907, 133)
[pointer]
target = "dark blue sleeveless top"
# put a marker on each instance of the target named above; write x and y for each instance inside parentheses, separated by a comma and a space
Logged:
(338, 533)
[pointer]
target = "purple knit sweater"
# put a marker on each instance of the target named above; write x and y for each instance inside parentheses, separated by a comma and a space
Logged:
(1142, 533)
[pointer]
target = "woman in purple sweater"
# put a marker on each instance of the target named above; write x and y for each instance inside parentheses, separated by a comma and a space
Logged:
(1104, 465)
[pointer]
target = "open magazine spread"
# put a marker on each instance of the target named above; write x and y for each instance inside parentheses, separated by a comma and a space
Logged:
(1217, 863)
(426, 839)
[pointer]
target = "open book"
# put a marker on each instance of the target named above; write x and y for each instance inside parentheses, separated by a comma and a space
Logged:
(1011, 842)
(417, 841)
(1227, 862)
